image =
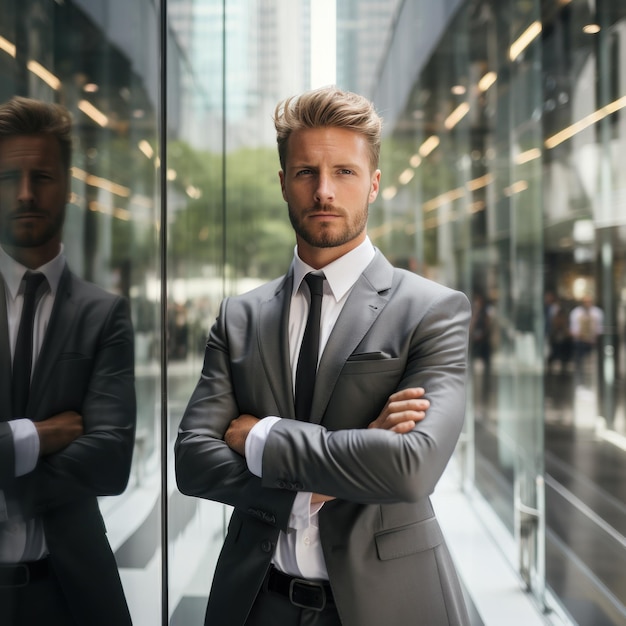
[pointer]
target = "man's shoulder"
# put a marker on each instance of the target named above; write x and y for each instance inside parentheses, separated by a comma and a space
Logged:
(405, 279)
(86, 290)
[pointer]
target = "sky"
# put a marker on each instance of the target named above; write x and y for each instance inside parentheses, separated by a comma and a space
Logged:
(323, 43)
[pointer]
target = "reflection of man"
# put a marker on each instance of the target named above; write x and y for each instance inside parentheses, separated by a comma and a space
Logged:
(586, 321)
(332, 521)
(70, 437)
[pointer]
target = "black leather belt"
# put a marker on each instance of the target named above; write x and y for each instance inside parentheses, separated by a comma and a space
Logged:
(307, 594)
(21, 574)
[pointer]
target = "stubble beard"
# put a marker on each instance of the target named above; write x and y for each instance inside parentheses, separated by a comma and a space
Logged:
(29, 236)
(325, 236)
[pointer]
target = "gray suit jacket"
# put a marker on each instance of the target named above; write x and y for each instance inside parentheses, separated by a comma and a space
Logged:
(385, 554)
(86, 364)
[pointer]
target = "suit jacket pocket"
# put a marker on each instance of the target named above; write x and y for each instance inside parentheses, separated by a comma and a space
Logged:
(399, 542)
(371, 365)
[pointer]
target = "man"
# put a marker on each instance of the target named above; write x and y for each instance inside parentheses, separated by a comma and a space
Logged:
(70, 438)
(586, 323)
(332, 522)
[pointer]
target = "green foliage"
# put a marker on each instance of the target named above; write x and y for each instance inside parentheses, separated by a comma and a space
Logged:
(228, 209)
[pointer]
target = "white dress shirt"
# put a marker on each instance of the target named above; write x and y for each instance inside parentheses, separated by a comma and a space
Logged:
(22, 540)
(299, 551)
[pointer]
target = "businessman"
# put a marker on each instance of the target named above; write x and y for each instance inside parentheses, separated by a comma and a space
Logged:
(67, 398)
(330, 472)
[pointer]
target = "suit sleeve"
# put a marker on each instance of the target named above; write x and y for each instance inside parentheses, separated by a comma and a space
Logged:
(97, 463)
(7, 454)
(205, 466)
(377, 466)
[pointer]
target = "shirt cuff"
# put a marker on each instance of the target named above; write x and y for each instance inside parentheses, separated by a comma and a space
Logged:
(26, 445)
(255, 444)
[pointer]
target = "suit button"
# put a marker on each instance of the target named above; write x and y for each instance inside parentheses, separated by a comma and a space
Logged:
(266, 546)
(280, 484)
(298, 486)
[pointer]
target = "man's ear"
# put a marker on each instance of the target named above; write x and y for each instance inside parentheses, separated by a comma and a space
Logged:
(374, 186)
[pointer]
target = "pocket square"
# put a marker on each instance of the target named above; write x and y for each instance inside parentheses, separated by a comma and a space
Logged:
(369, 356)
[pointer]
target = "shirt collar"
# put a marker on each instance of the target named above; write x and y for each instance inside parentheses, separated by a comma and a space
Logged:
(342, 273)
(13, 272)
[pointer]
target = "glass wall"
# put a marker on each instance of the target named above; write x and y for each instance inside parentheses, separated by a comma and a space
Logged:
(175, 203)
(501, 167)
(101, 60)
(504, 135)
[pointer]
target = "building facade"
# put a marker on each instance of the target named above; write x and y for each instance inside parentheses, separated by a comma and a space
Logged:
(504, 133)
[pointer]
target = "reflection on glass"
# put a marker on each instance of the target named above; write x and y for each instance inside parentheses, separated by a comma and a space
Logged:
(68, 397)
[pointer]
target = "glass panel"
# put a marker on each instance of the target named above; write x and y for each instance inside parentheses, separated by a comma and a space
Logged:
(228, 230)
(196, 273)
(584, 220)
(99, 60)
(460, 210)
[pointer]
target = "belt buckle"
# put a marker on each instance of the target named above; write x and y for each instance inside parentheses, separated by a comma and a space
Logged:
(14, 571)
(307, 587)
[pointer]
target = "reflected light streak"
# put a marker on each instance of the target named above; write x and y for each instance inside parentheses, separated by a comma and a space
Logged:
(444, 198)
(406, 176)
(524, 40)
(528, 155)
(94, 113)
(457, 115)
(585, 122)
(415, 160)
(428, 146)
(517, 187)
(487, 80)
(7, 46)
(146, 148)
(119, 213)
(458, 193)
(591, 29)
(389, 193)
(48, 77)
(101, 183)
(480, 182)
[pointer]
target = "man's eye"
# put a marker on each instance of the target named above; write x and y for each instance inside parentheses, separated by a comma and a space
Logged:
(345, 171)
(8, 177)
(304, 172)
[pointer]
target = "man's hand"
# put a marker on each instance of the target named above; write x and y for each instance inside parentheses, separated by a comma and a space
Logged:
(58, 431)
(403, 410)
(235, 436)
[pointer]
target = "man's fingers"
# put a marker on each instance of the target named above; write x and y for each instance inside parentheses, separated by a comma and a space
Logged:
(404, 427)
(403, 409)
(410, 393)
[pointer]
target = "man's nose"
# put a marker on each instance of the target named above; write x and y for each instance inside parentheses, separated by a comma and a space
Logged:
(26, 190)
(325, 191)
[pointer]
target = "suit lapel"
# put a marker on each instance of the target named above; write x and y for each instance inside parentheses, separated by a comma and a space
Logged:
(365, 303)
(274, 322)
(5, 357)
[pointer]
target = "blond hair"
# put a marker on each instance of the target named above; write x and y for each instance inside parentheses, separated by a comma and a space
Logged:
(328, 107)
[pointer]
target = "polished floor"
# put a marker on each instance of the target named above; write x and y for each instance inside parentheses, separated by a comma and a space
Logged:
(585, 496)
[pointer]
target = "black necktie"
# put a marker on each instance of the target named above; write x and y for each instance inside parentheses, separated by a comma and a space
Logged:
(23, 356)
(307, 360)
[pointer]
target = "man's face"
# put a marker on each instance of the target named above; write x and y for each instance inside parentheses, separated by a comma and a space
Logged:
(33, 195)
(328, 186)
